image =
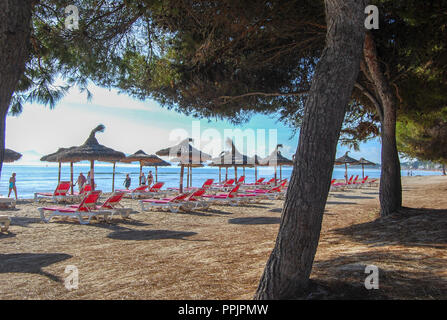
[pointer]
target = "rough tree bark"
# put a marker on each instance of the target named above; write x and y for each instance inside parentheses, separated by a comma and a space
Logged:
(15, 30)
(290, 263)
(390, 177)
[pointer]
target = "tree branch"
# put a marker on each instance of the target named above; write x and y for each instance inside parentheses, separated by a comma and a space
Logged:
(227, 99)
(372, 98)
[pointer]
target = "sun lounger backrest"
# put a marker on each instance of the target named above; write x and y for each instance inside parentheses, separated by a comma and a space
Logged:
(363, 180)
(140, 188)
(207, 183)
(156, 187)
(241, 179)
(181, 196)
(113, 200)
(89, 201)
(86, 188)
(234, 190)
(62, 188)
(196, 194)
(229, 182)
(260, 180)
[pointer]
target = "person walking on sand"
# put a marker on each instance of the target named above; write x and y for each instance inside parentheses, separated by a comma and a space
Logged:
(81, 181)
(127, 182)
(150, 179)
(12, 185)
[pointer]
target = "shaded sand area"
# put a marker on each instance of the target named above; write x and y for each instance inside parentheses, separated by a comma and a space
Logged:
(221, 253)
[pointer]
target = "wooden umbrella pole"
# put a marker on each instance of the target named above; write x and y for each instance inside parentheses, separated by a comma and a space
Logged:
(235, 174)
(256, 173)
(141, 171)
(156, 174)
(280, 172)
(187, 176)
(182, 170)
(220, 176)
(226, 173)
(92, 174)
(363, 171)
(59, 174)
(190, 179)
(276, 176)
(113, 177)
(71, 177)
(346, 172)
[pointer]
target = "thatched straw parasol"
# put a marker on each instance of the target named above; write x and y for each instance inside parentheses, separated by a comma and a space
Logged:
(53, 157)
(146, 160)
(276, 159)
(11, 156)
(231, 158)
(364, 162)
(91, 150)
(187, 156)
(345, 160)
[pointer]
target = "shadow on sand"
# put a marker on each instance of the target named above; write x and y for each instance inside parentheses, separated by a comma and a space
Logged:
(31, 263)
(396, 280)
(143, 235)
(409, 227)
(255, 220)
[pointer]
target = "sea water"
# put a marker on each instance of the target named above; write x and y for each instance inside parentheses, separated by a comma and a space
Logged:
(43, 178)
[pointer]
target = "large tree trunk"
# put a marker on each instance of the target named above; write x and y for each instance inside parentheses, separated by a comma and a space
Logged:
(289, 266)
(15, 30)
(390, 177)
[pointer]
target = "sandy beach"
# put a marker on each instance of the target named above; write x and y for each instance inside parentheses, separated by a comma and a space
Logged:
(220, 253)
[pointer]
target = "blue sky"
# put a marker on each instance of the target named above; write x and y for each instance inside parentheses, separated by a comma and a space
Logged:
(132, 125)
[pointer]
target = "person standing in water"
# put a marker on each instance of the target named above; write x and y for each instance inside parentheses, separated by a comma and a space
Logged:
(81, 181)
(89, 178)
(150, 179)
(142, 179)
(12, 185)
(127, 182)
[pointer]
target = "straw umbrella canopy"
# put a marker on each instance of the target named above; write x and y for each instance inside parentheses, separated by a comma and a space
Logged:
(363, 162)
(276, 159)
(11, 156)
(346, 159)
(232, 158)
(91, 150)
(53, 157)
(145, 160)
(187, 156)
